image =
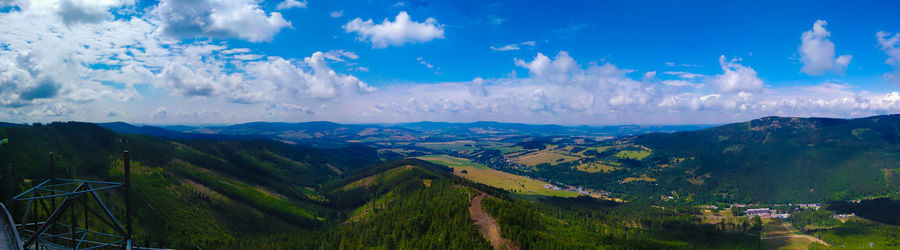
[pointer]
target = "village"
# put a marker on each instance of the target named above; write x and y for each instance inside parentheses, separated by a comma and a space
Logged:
(577, 189)
(784, 211)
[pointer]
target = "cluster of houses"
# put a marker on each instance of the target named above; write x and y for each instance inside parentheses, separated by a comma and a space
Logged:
(580, 190)
(766, 213)
(814, 206)
(771, 213)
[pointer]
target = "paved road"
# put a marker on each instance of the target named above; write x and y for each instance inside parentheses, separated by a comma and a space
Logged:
(487, 226)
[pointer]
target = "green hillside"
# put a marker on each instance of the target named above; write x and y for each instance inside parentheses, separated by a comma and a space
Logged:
(777, 159)
(271, 195)
(189, 193)
(767, 160)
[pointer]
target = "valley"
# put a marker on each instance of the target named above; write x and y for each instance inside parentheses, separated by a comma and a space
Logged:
(533, 190)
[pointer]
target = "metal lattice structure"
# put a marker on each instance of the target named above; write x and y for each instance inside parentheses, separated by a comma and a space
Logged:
(43, 223)
(59, 212)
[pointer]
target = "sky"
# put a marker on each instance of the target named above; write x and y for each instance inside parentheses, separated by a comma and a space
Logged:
(202, 62)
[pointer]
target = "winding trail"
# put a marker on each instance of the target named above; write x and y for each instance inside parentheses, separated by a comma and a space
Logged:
(487, 226)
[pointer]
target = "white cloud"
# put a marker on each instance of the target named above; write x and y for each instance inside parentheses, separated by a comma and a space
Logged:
(92, 66)
(817, 52)
(649, 75)
(84, 11)
(736, 77)
(278, 74)
(113, 113)
(242, 19)
(397, 33)
(423, 62)
(677, 83)
(360, 69)
(290, 4)
(890, 44)
(53, 110)
(340, 55)
(672, 64)
(53, 70)
(541, 66)
(514, 46)
(560, 91)
(684, 75)
(336, 14)
(295, 108)
(159, 113)
(477, 88)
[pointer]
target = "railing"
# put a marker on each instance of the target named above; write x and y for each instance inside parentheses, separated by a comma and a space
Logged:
(14, 240)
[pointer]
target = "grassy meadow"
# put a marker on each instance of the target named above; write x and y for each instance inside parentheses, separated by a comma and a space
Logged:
(482, 174)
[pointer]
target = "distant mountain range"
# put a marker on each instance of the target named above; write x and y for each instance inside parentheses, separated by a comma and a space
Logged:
(325, 134)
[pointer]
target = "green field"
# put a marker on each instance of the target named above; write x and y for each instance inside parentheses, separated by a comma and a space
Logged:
(778, 234)
(453, 145)
(499, 179)
(858, 233)
(633, 154)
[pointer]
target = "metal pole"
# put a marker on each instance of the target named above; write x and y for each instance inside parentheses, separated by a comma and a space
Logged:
(52, 180)
(127, 195)
(84, 206)
(9, 185)
(34, 216)
(74, 222)
(52, 174)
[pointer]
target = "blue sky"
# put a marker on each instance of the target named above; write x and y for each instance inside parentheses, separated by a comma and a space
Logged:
(562, 62)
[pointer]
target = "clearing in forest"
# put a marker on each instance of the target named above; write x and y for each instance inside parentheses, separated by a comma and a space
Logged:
(495, 178)
(487, 225)
(779, 234)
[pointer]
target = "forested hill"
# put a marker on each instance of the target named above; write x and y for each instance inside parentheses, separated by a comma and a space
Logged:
(189, 193)
(257, 194)
(781, 159)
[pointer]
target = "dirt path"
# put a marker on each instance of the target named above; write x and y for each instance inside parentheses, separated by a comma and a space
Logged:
(487, 226)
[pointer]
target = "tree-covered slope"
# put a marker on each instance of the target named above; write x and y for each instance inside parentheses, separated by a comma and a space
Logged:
(189, 193)
(270, 195)
(777, 159)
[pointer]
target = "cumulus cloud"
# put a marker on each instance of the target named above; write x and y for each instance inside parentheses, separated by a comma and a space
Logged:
(88, 67)
(561, 90)
(84, 11)
(477, 88)
(320, 81)
(890, 44)
(736, 77)
(290, 4)
(817, 52)
(397, 33)
(48, 67)
(557, 70)
(242, 19)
